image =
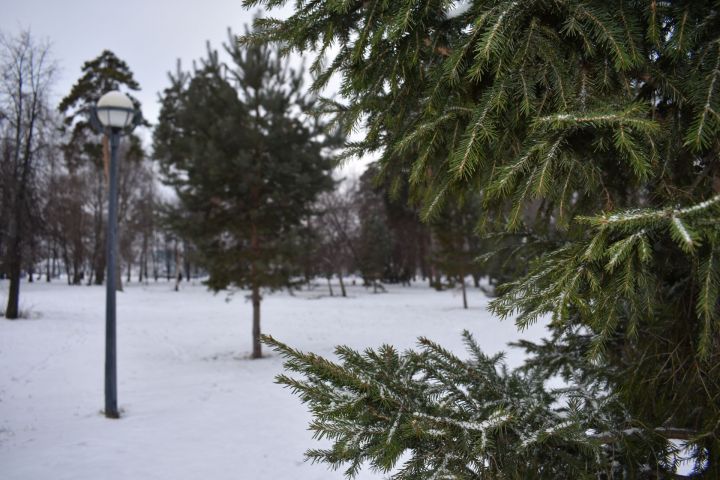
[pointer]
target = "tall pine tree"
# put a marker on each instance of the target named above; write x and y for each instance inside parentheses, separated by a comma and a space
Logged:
(593, 127)
(247, 161)
(83, 151)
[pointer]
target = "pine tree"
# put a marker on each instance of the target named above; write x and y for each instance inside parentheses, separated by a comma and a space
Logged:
(593, 128)
(247, 162)
(100, 75)
(375, 239)
(391, 238)
(457, 242)
(83, 150)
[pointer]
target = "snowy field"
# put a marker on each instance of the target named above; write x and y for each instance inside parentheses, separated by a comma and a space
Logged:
(194, 406)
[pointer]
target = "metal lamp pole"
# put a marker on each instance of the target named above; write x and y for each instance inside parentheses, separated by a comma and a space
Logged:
(111, 410)
(114, 115)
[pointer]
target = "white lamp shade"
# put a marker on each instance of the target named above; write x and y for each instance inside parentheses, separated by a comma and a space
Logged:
(115, 110)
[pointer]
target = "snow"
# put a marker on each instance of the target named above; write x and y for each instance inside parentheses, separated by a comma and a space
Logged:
(493, 421)
(683, 231)
(193, 404)
(458, 8)
(700, 206)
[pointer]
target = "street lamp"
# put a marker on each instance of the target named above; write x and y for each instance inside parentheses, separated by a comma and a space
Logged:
(114, 115)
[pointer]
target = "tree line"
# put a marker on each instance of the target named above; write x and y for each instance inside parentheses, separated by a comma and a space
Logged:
(237, 185)
(53, 181)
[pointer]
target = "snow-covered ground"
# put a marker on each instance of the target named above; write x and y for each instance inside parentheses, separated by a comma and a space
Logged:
(194, 406)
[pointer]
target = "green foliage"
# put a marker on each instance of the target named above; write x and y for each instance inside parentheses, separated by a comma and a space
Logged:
(429, 414)
(100, 75)
(611, 274)
(391, 240)
(457, 244)
(589, 128)
(247, 162)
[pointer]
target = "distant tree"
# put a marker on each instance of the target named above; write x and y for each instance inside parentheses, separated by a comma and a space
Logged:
(144, 215)
(457, 242)
(375, 240)
(26, 75)
(52, 174)
(393, 242)
(337, 226)
(135, 200)
(246, 160)
(68, 223)
(84, 149)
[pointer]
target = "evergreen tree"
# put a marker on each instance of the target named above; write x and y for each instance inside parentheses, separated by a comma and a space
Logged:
(593, 127)
(457, 242)
(247, 162)
(375, 239)
(409, 235)
(100, 75)
(392, 240)
(83, 151)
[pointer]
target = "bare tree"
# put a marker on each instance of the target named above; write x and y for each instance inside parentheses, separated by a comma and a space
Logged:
(337, 228)
(26, 73)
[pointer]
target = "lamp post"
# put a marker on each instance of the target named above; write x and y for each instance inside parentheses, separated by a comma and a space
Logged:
(114, 115)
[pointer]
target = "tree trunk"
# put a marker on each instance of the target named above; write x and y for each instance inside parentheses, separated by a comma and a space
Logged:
(54, 260)
(99, 266)
(140, 267)
(143, 275)
(156, 271)
(342, 285)
(257, 347)
(33, 262)
(143, 259)
(77, 257)
(178, 270)
(168, 274)
(14, 261)
(66, 261)
(254, 245)
(145, 269)
(464, 292)
(332, 294)
(99, 257)
(12, 310)
(118, 274)
(186, 260)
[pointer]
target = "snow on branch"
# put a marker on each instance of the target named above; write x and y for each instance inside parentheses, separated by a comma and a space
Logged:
(670, 433)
